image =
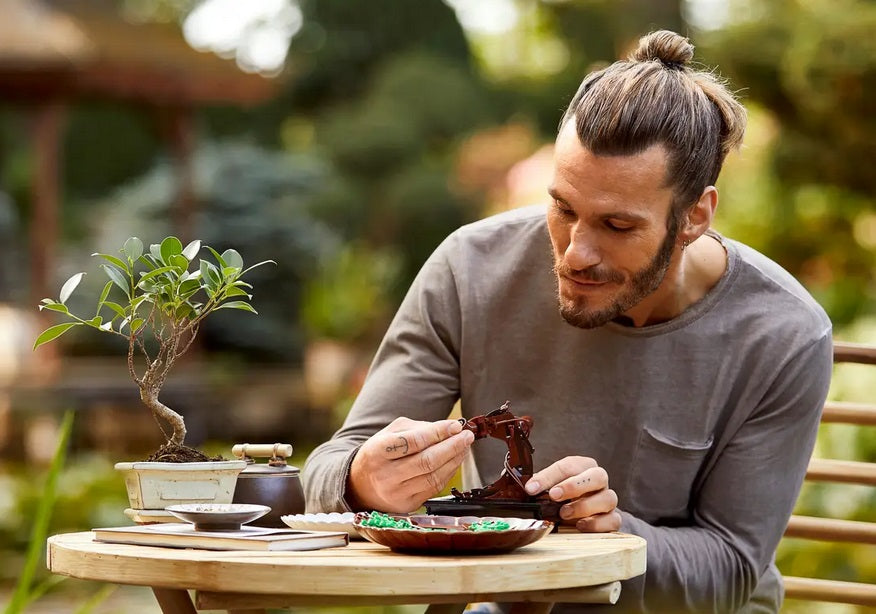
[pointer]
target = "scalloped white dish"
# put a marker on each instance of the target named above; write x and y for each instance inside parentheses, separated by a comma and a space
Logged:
(334, 521)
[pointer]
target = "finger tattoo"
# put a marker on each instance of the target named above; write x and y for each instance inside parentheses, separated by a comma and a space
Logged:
(402, 445)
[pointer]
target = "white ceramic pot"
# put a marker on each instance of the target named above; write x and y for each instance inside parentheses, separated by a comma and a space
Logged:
(154, 486)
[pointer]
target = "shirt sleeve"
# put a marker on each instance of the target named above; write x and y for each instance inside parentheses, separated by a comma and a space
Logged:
(415, 374)
(743, 506)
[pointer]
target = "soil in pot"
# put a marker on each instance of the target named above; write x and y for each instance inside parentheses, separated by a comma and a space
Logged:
(175, 453)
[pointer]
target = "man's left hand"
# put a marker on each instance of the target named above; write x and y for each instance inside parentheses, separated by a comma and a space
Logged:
(591, 506)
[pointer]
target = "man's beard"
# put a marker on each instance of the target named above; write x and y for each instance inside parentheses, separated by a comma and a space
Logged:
(643, 283)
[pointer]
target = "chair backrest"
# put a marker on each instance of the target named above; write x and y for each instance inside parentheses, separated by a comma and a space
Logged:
(839, 529)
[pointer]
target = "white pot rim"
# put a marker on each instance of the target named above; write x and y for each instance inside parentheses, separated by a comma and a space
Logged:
(151, 465)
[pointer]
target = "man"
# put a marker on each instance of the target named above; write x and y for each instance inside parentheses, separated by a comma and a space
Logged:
(683, 368)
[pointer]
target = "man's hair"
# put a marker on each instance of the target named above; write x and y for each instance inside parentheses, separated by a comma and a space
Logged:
(655, 97)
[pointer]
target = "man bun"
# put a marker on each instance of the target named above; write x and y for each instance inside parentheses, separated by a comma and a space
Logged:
(657, 96)
(668, 47)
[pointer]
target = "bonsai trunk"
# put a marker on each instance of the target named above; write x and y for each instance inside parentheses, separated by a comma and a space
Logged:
(165, 415)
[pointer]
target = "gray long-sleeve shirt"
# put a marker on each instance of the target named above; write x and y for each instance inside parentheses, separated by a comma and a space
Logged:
(704, 423)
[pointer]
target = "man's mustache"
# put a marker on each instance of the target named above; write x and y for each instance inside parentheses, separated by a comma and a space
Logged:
(589, 275)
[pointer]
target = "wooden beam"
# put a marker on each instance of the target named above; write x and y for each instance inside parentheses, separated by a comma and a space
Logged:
(833, 591)
(46, 128)
(849, 413)
(831, 529)
(854, 352)
(842, 471)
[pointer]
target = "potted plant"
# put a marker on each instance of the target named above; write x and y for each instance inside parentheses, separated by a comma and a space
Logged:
(161, 307)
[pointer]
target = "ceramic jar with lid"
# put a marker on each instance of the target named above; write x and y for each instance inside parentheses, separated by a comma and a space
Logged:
(274, 483)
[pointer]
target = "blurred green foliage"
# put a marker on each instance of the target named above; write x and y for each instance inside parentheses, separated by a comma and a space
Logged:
(347, 300)
(811, 66)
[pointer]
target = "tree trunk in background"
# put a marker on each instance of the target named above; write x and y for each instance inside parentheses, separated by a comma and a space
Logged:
(46, 128)
(177, 129)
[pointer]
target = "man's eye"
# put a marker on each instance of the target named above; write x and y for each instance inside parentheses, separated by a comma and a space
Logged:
(562, 209)
(618, 226)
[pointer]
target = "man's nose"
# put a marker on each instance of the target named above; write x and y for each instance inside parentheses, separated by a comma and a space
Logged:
(582, 251)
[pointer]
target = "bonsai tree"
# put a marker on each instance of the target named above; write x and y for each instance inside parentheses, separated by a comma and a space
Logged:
(162, 307)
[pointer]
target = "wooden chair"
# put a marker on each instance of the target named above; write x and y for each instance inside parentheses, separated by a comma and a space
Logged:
(843, 472)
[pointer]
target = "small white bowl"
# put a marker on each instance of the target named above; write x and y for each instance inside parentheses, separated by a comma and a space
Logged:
(333, 521)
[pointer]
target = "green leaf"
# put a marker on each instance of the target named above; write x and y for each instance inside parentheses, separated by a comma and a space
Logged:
(133, 248)
(53, 333)
(155, 251)
(232, 258)
(117, 278)
(103, 296)
(232, 291)
(149, 261)
(137, 324)
(155, 273)
(171, 246)
(114, 260)
(96, 321)
(237, 305)
(216, 255)
(59, 307)
(70, 285)
(183, 311)
(191, 250)
(180, 262)
(189, 287)
(210, 274)
(116, 307)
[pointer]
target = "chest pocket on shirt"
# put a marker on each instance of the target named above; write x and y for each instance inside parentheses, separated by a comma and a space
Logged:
(662, 477)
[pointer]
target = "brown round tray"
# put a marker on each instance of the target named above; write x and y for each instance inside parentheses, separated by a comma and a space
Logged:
(450, 534)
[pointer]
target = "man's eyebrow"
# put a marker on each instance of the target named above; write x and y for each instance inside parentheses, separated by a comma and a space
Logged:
(627, 216)
(552, 192)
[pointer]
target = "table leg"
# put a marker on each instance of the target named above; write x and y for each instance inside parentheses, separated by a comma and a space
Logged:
(174, 600)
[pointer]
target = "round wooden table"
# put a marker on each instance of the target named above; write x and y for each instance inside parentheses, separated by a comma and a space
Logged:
(563, 567)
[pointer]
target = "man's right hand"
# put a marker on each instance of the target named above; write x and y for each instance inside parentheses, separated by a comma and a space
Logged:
(404, 464)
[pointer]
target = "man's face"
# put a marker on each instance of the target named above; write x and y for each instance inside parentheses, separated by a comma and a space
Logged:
(608, 227)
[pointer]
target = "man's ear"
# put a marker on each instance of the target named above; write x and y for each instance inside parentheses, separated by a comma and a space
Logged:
(698, 217)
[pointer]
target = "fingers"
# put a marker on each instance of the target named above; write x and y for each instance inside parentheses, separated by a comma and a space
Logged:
(601, 523)
(429, 484)
(600, 502)
(437, 455)
(406, 463)
(406, 437)
(558, 473)
(590, 504)
(589, 480)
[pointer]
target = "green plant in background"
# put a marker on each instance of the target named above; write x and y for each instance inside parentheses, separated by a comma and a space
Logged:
(25, 592)
(348, 298)
(166, 299)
